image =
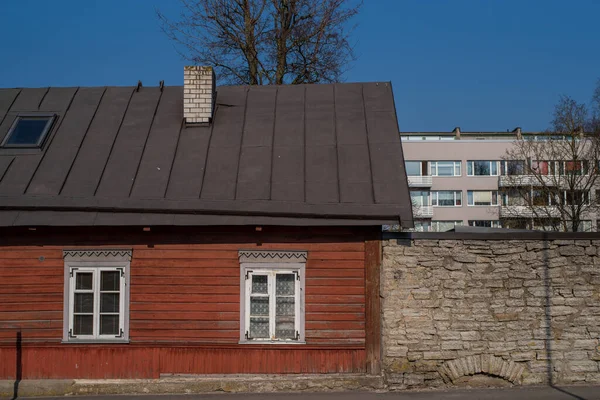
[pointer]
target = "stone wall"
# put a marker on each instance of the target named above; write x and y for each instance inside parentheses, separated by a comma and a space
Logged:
(474, 312)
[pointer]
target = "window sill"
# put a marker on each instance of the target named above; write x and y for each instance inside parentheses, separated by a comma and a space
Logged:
(271, 342)
(98, 341)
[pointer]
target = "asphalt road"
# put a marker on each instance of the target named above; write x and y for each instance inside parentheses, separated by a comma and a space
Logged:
(528, 393)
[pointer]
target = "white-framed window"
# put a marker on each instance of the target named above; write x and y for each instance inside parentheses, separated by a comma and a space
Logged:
(444, 168)
(485, 223)
(483, 168)
(96, 304)
(422, 226)
(272, 296)
(420, 198)
(512, 167)
(444, 226)
(415, 168)
(446, 198)
(482, 198)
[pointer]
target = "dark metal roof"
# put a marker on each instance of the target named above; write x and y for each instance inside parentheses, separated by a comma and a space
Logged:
(290, 155)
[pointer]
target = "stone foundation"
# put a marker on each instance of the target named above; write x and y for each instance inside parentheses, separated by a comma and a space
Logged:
(517, 312)
(195, 385)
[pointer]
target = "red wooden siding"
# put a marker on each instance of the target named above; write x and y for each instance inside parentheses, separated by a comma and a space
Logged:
(105, 362)
(185, 292)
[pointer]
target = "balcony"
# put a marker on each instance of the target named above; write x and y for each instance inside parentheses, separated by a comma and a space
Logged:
(422, 211)
(526, 180)
(420, 181)
(528, 212)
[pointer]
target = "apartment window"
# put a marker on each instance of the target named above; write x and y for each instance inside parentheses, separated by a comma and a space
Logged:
(543, 167)
(444, 168)
(540, 197)
(546, 224)
(577, 197)
(96, 295)
(575, 167)
(516, 223)
(444, 226)
(422, 226)
(482, 168)
(446, 198)
(419, 198)
(416, 168)
(485, 223)
(512, 167)
(272, 296)
(514, 197)
(482, 198)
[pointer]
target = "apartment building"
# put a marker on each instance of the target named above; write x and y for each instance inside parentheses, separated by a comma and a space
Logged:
(459, 178)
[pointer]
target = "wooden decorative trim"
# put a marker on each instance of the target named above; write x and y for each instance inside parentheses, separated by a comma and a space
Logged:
(373, 306)
(97, 255)
(253, 256)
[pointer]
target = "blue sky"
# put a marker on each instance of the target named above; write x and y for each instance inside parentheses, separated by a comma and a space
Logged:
(478, 64)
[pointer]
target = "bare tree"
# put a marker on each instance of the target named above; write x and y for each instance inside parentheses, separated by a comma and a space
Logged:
(256, 42)
(551, 177)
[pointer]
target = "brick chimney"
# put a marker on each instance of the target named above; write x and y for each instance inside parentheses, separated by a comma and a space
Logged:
(198, 94)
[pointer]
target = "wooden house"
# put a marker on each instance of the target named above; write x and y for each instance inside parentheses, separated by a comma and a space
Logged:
(195, 230)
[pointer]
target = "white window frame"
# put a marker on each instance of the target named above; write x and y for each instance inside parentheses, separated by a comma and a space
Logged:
(492, 204)
(421, 167)
(271, 263)
(471, 166)
(493, 223)
(96, 262)
(457, 169)
(435, 225)
(434, 195)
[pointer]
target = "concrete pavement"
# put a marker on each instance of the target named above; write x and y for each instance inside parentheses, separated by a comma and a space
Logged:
(522, 393)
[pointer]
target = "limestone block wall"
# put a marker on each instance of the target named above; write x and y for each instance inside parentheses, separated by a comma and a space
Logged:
(468, 312)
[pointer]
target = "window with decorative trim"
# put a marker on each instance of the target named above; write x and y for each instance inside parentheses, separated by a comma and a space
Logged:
(272, 296)
(96, 305)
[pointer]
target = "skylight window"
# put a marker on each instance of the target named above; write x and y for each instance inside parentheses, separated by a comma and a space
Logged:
(29, 131)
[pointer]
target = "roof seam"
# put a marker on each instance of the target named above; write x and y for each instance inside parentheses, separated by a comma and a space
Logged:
(335, 138)
(51, 139)
(62, 186)
(137, 170)
(237, 173)
(273, 144)
(7, 168)
(362, 94)
(11, 105)
(304, 139)
(212, 126)
(114, 141)
(173, 161)
(43, 97)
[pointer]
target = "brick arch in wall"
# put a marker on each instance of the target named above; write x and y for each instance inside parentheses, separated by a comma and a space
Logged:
(481, 364)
